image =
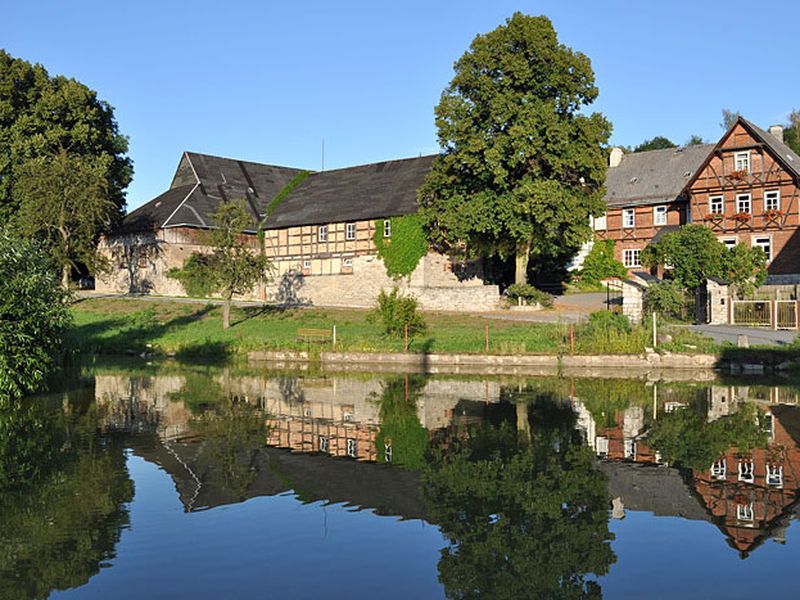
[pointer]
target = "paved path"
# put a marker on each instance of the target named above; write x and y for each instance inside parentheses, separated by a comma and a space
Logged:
(755, 335)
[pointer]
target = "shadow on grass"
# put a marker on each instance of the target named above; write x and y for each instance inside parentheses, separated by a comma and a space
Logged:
(252, 312)
(208, 352)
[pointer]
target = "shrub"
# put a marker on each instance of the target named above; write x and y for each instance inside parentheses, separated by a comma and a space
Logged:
(610, 333)
(195, 276)
(601, 264)
(402, 252)
(33, 317)
(605, 320)
(666, 298)
(529, 294)
(394, 311)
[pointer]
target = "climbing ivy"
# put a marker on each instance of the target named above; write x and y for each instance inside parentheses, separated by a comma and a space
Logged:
(402, 251)
(285, 191)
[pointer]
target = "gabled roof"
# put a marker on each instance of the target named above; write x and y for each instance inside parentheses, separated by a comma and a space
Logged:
(202, 182)
(782, 153)
(653, 177)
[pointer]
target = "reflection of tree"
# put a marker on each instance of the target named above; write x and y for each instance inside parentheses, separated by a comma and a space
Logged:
(685, 437)
(233, 433)
(400, 426)
(526, 517)
(60, 518)
(199, 392)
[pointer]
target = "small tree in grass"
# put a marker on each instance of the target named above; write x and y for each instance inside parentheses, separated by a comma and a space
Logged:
(394, 311)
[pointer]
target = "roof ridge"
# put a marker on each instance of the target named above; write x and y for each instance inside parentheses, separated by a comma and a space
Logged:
(372, 164)
(241, 160)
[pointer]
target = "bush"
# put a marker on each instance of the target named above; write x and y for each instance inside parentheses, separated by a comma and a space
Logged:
(394, 311)
(195, 276)
(33, 317)
(610, 333)
(402, 252)
(529, 294)
(605, 321)
(601, 264)
(666, 298)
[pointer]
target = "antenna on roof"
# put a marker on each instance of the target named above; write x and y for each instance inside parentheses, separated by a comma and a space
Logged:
(323, 155)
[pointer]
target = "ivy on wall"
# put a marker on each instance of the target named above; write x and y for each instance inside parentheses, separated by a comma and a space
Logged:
(285, 191)
(402, 251)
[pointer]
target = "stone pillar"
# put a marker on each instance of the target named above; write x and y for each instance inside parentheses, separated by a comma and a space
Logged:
(718, 298)
(633, 301)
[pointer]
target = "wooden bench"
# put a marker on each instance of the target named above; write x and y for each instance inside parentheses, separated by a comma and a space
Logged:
(314, 335)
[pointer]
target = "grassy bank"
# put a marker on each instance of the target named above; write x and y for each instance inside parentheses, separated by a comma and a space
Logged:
(124, 326)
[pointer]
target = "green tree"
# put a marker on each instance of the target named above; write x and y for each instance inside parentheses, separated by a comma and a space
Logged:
(791, 134)
(64, 203)
(657, 143)
(401, 429)
(395, 312)
(33, 317)
(525, 512)
(40, 114)
(522, 168)
(728, 118)
(601, 264)
(233, 267)
(694, 140)
(745, 266)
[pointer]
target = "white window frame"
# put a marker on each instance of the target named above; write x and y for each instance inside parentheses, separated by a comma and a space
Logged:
(759, 241)
(324, 444)
(630, 448)
(307, 264)
(352, 448)
(740, 199)
(632, 257)
(730, 241)
(775, 475)
(770, 197)
(601, 446)
(350, 232)
(741, 161)
(628, 218)
(746, 471)
(388, 452)
(600, 223)
(712, 201)
(387, 228)
(744, 512)
(322, 233)
(660, 211)
(719, 470)
(347, 263)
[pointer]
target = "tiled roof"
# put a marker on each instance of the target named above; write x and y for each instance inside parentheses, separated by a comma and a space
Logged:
(781, 151)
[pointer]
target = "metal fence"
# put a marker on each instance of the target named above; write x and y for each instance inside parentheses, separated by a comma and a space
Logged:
(777, 314)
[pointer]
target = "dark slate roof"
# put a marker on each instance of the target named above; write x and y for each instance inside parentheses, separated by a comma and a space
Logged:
(653, 177)
(202, 182)
(784, 154)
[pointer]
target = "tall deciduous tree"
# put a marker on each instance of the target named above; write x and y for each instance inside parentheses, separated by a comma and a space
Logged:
(728, 118)
(40, 113)
(657, 143)
(64, 203)
(521, 168)
(234, 267)
(792, 134)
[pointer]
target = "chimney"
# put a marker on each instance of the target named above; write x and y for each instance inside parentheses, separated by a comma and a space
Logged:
(615, 157)
(776, 131)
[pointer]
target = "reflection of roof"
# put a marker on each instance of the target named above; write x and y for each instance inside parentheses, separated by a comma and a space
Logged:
(653, 177)
(789, 417)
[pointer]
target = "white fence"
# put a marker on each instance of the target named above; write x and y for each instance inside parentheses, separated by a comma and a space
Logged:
(776, 314)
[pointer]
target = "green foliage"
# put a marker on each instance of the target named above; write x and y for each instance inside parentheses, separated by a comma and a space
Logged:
(522, 166)
(525, 515)
(400, 426)
(694, 140)
(394, 311)
(657, 143)
(687, 438)
(610, 333)
(529, 294)
(196, 276)
(401, 252)
(33, 317)
(64, 203)
(728, 118)
(666, 298)
(695, 254)
(600, 264)
(40, 114)
(791, 134)
(285, 191)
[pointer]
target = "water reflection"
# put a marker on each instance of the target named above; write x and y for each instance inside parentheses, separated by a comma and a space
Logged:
(520, 476)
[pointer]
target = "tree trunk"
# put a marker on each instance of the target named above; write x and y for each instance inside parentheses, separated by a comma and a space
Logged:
(523, 254)
(226, 313)
(65, 272)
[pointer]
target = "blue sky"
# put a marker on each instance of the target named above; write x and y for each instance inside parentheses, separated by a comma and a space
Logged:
(267, 81)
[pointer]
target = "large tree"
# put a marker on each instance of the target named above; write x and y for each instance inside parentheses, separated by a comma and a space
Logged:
(40, 114)
(657, 143)
(521, 168)
(64, 203)
(792, 134)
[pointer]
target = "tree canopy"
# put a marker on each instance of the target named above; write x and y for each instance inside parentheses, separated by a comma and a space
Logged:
(522, 168)
(33, 317)
(791, 134)
(728, 118)
(657, 143)
(41, 114)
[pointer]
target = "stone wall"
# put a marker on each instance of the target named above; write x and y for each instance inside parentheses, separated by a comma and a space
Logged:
(141, 262)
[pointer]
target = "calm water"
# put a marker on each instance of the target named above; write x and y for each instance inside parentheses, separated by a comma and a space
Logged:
(181, 481)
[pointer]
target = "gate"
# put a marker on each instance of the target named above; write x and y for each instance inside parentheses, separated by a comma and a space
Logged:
(614, 296)
(755, 313)
(786, 314)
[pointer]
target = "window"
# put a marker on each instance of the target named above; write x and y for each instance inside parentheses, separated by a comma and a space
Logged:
(660, 215)
(729, 242)
(630, 449)
(746, 472)
(322, 233)
(306, 412)
(716, 205)
(775, 475)
(388, 452)
(718, 470)
(601, 446)
(350, 231)
(765, 243)
(772, 200)
(352, 448)
(744, 512)
(632, 258)
(742, 160)
(347, 263)
(324, 444)
(387, 228)
(599, 223)
(306, 265)
(628, 217)
(743, 203)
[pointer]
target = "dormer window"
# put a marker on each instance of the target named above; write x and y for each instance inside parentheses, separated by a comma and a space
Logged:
(742, 161)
